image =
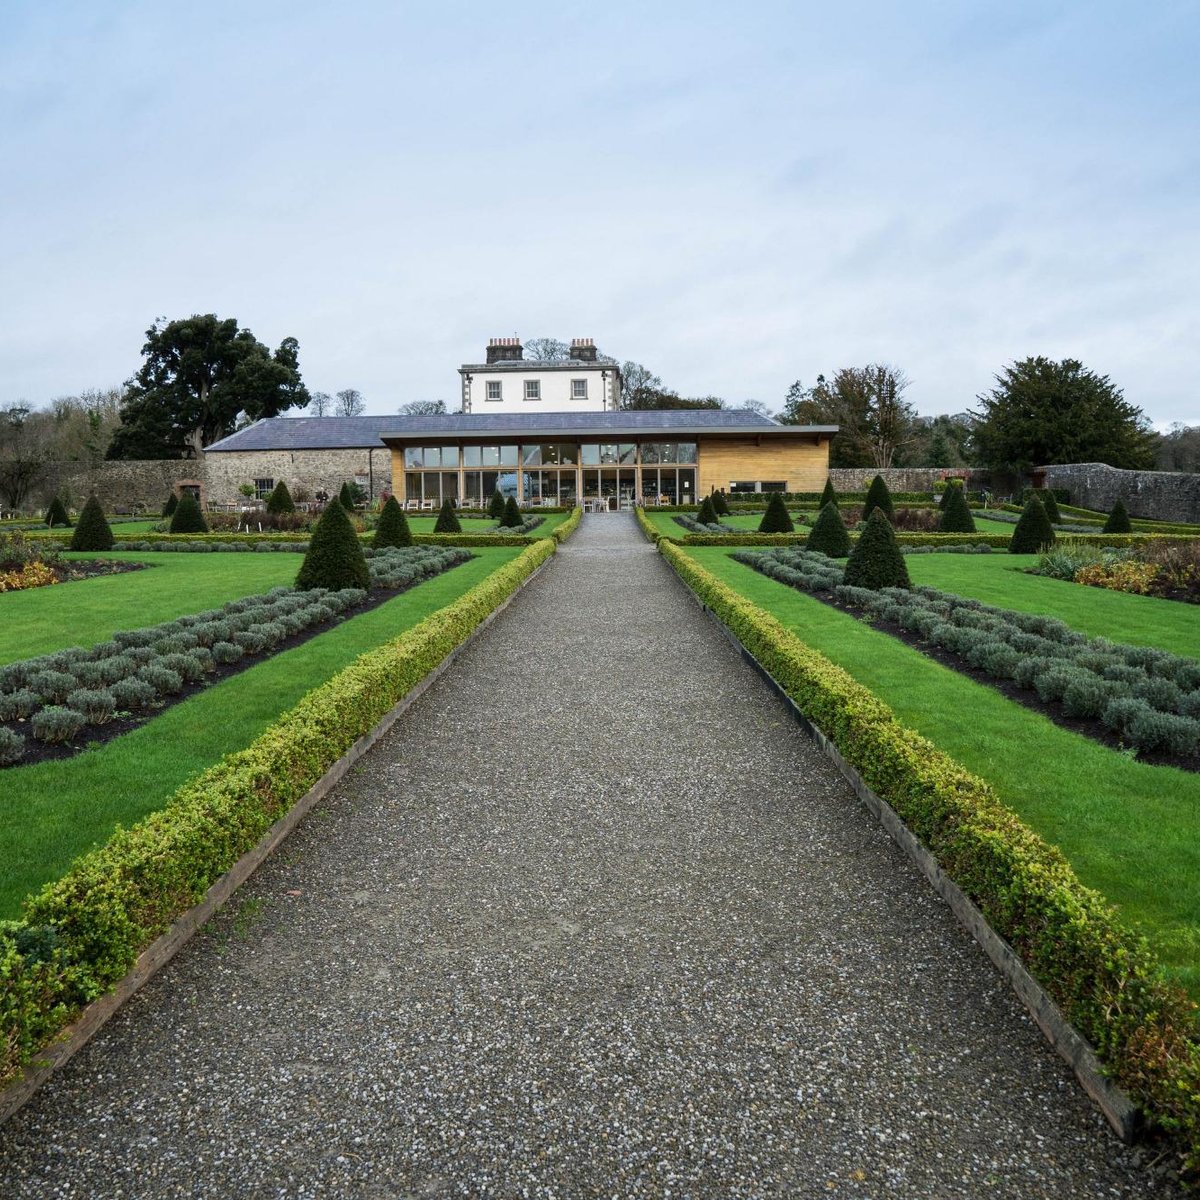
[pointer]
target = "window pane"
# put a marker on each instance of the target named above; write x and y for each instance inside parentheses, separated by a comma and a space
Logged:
(533, 389)
(687, 485)
(450, 485)
(493, 390)
(412, 456)
(742, 486)
(508, 456)
(687, 452)
(670, 452)
(627, 452)
(450, 457)
(429, 486)
(472, 456)
(491, 481)
(412, 485)
(590, 455)
(432, 456)
(566, 488)
(608, 453)
(775, 486)
(490, 455)
(531, 456)
(471, 493)
(651, 452)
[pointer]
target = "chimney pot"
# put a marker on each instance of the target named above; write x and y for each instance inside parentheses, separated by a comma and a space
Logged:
(505, 349)
(583, 350)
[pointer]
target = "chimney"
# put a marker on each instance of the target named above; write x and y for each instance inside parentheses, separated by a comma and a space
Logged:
(505, 350)
(583, 350)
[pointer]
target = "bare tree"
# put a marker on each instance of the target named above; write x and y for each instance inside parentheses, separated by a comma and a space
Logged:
(545, 349)
(320, 404)
(350, 403)
(24, 454)
(754, 406)
(422, 408)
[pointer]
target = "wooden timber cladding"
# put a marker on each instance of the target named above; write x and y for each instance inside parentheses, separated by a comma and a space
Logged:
(801, 462)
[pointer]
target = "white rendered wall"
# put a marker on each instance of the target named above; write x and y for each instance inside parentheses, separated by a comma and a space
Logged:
(555, 390)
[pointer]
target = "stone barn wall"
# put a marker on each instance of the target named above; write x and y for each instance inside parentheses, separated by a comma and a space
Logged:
(903, 479)
(1156, 495)
(304, 471)
(123, 484)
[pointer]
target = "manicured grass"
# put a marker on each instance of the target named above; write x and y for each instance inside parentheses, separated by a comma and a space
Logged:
(1128, 829)
(52, 812)
(425, 524)
(999, 578)
(91, 610)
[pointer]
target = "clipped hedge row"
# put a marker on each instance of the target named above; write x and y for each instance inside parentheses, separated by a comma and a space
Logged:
(1103, 976)
(998, 541)
(561, 532)
(82, 934)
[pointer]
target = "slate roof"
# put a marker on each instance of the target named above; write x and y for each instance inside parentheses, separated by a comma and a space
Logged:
(353, 433)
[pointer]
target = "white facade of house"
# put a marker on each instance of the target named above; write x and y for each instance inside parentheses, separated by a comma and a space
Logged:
(508, 383)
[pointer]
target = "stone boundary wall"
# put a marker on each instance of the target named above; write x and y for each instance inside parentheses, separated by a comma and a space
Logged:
(123, 483)
(1157, 495)
(904, 479)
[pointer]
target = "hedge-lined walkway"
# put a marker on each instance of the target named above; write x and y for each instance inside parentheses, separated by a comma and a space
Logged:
(595, 920)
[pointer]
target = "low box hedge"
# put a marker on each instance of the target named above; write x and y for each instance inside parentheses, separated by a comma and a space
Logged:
(83, 933)
(1102, 975)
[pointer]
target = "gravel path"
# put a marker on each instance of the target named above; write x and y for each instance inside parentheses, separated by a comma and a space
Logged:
(594, 920)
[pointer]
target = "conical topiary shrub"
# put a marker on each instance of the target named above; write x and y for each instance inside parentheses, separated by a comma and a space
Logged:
(187, 517)
(511, 517)
(280, 500)
(829, 534)
(92, 531)
(956, 512)
(335, 557)
(447, 521)
(1118, 520)
(496, 505)
(707, 514)
(171, 505)
(876, 561)
(1050, 504)
(392, 529)
(719, 505)
(56, 514)
(347, 497)
(878, 496)
(1033, 533)
(776, 519)
(828, 496)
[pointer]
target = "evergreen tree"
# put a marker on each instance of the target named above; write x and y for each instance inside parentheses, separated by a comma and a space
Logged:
(1050, 504)
(720, 507)
(876, 561)
(829, 534)
(171, 505)
(92, 531)
(280, 500)
(1033, 533)
(496, 505)
(187, 517)
(447, 521)
(392, 529)
(511, 517)
(878, 496)
(828, 496)
(346, 497)
(708, 513)
(1118, 520)
(335, 558)
(956, 512)
(56, 514)
(776, 519)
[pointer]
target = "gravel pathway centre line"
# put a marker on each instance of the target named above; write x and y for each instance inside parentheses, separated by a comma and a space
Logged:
(594, 920)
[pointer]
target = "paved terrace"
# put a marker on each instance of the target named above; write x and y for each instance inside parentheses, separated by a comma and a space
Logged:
(594, 920)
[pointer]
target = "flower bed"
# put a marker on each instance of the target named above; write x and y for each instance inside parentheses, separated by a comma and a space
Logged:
(1166, 568)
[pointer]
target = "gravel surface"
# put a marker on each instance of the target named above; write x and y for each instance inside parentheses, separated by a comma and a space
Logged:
(595, 919)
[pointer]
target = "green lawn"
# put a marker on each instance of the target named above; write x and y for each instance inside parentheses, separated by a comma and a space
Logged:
(999, 578)
(425, 524)
(1129, 830)
(52, 812)
(91, 610)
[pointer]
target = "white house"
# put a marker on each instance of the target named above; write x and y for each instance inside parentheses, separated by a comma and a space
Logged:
(508, 383)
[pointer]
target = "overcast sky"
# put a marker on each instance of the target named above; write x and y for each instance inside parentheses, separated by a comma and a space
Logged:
(735, 195)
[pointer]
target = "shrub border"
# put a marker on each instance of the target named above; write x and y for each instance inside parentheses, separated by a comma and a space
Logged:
(121, 912)
(1134, 1033)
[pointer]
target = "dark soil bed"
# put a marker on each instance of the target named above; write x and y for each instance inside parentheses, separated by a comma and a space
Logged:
(1179, 595)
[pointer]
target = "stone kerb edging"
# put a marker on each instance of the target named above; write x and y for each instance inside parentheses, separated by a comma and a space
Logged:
(1118, 1109)
(160, 952)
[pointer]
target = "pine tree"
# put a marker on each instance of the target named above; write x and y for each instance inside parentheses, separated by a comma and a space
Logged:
(829, 534)
(876, 561)
(392, 529)
(171, 505)
(511, 517)
(1033, 533)
(776, 519)
(335, 558)
(346, 497)
(92, 531)
(828, 496)
(708, 513)
(447, 521)
(956, 512)
(496, 505)
(56, 514)
(187, 517)
(280, 499)
(720, 507)
(1118, 519)
(878, 496)
(1050, 504)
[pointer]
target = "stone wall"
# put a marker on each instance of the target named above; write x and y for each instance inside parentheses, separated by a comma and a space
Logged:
(123, 485)
(1158, 495)
(304, 471)
(903, 479)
